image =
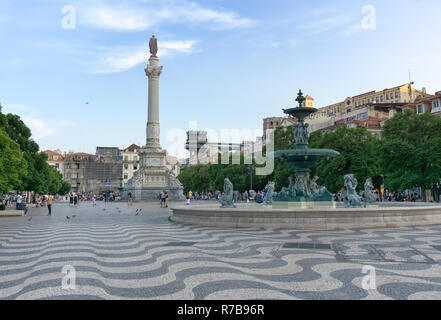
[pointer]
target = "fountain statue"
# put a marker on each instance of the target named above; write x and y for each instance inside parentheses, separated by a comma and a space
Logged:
(369, 197)
(351, 198)
(269, 193)
(303, 159)
(227, 198)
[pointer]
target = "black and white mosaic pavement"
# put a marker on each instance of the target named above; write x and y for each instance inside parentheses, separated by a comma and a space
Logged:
(120, 255)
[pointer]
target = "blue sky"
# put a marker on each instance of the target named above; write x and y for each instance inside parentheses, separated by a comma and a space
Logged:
(227, 63)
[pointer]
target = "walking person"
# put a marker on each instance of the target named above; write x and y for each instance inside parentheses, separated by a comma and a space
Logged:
(18, 202)
(49, 204)
(6, 200)
(188, 200)
(75, 199)
(162, 199)
(166, 199)
(94, 200)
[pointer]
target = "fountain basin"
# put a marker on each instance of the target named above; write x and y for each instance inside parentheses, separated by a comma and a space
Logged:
(257, 216)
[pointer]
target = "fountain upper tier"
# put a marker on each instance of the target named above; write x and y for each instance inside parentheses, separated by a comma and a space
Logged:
(304, 157)
(300, 112)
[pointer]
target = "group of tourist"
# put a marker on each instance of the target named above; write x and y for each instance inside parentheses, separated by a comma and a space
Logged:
(246, 196)
(387, 196)
(74, 200)
(21, 203)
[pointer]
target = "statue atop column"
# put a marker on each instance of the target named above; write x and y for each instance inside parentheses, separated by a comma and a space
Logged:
(153, 44)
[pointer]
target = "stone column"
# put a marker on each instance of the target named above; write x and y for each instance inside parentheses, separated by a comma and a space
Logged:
(153, 71)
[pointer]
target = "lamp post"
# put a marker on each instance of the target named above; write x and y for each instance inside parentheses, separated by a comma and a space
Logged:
(250, 170)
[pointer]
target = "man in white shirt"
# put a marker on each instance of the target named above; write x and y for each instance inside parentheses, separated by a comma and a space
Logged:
(18, 201)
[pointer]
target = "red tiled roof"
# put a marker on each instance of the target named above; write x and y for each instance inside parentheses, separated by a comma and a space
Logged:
(51, 155)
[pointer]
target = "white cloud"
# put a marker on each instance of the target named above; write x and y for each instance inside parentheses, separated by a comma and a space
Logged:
(139, 18)
(191, 12)
(114, 18)
(123, 59)
(327, 24)
(38, 127)
(353, 29)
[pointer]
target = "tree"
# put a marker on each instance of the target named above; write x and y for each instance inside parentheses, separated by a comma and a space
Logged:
(358, 155)
(12, 163)
(65, 188)
(411, 151)
(20, 133)
(210, 177)
(23, 168)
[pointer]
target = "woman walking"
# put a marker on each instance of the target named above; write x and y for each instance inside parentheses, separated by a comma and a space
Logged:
(49, 204)
(94, 200)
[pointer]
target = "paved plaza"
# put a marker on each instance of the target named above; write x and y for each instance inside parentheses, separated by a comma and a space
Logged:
(120, 255)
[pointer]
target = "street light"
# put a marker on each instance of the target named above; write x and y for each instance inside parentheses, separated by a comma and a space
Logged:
(251, 169)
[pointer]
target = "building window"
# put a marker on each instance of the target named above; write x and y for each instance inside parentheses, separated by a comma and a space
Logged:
(126, 167)
(55, 158)
(381, 98)
(421, 108)
(135, 167)
(126, 158)
(436, 106)
(387, 97)
(126, 176)
(57, 165)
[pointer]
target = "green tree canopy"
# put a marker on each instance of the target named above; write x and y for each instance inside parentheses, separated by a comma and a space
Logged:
(210, 177)
(410, 151)
(12, 163)
(22, 168)
(358, 155)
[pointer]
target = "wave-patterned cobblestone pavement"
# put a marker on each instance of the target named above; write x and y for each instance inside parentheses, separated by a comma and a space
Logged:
(118, 254)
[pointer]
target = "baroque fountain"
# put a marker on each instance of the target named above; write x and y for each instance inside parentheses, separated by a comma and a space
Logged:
(304, 204)
(304, 189)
